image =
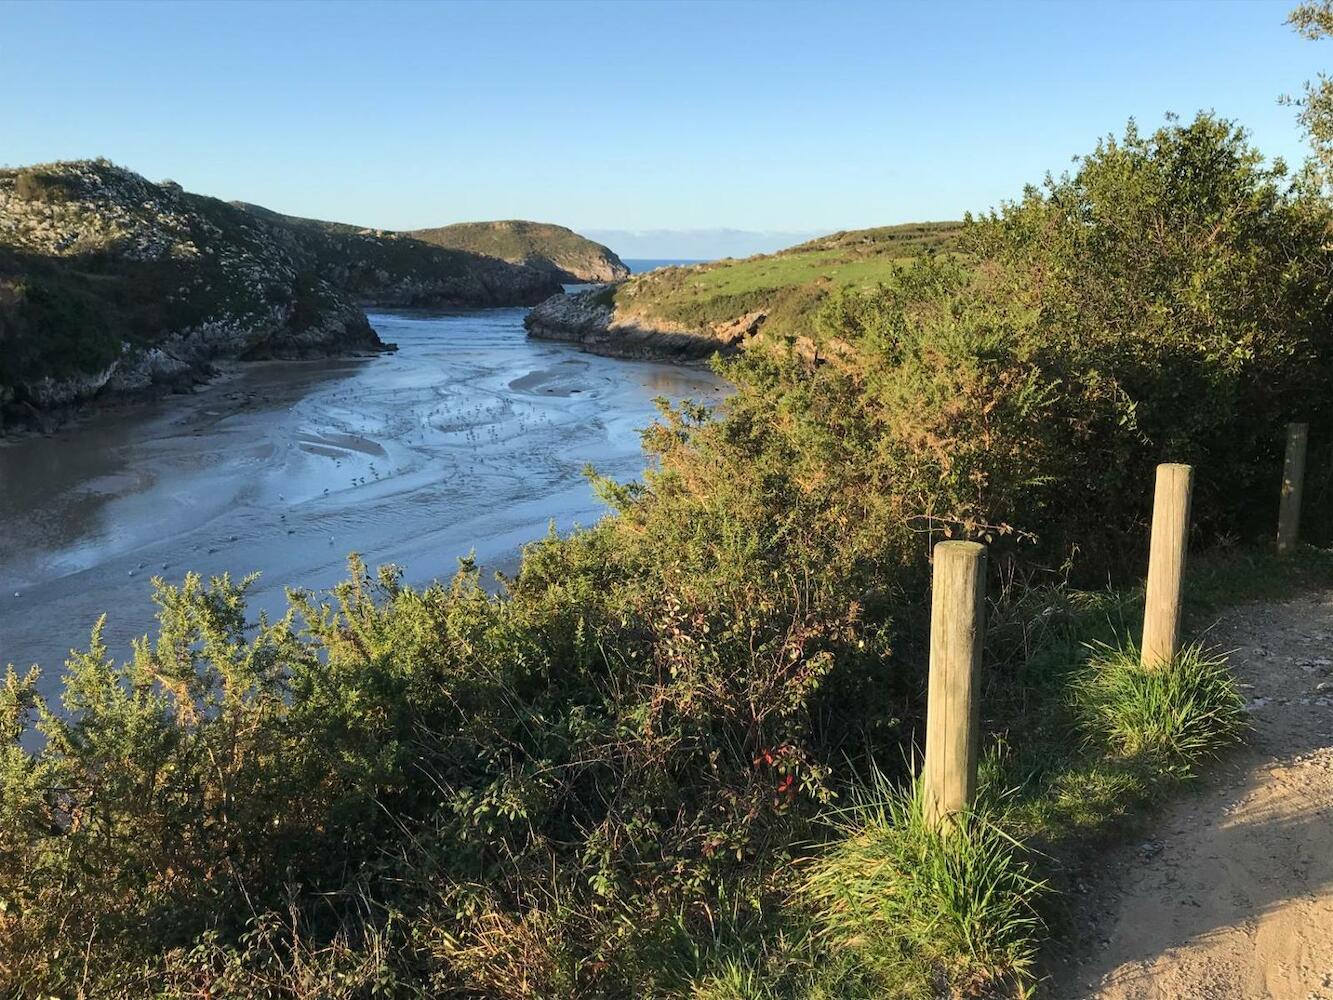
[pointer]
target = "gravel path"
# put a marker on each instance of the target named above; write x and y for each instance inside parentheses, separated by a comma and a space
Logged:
(1232, 897)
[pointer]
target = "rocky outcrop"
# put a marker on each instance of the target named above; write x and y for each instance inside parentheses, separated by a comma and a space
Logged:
(562, 253)
(591, 320)
(111, 285)
(383, 268)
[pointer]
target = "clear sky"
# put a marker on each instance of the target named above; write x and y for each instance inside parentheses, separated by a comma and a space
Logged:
(628, 116)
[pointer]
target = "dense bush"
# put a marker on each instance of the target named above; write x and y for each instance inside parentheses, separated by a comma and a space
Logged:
(38, 185)
(597, 781)
(484, 764)
(1183, 286)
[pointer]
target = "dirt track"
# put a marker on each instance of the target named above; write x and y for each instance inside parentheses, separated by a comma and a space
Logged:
(1232, 895)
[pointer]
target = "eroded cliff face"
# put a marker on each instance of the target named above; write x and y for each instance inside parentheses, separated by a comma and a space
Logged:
(186, 358)
(591, 320)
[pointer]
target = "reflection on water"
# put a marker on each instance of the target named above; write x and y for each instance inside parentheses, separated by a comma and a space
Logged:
(470, 438)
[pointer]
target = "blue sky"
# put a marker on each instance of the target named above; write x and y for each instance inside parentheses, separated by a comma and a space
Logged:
(767, 117)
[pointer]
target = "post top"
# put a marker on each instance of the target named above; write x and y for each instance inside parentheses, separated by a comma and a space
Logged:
(958, 547)
(1173, 466)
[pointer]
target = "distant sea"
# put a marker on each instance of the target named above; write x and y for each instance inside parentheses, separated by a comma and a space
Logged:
(640, 265)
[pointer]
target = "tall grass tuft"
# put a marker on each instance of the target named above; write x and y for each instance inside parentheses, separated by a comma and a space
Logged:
(931, 915)
(1177, 715)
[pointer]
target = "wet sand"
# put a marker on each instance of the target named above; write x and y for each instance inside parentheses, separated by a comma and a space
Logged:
(470, 438)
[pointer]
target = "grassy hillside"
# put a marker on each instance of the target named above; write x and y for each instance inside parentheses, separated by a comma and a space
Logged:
(690, 312)
(537, 244)
(789, 286)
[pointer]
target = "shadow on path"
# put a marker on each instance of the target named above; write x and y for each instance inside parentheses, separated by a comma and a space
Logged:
(1232, 897)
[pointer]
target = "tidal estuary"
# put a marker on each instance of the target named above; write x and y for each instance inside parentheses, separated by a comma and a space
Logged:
(471, 438)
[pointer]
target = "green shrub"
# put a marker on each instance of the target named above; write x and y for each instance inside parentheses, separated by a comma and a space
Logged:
(38, 185)
(1178, 283)
(541, 783)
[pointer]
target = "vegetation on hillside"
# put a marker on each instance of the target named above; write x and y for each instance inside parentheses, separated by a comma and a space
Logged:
(381, 267)
(673, 756)
(789, 286)
(100, 267)
(560, 251)
(97, 263)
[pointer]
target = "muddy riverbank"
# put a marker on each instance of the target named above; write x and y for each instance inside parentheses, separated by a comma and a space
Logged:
(471, 438)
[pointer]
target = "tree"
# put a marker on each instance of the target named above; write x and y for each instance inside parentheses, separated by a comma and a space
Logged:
(1314, 20)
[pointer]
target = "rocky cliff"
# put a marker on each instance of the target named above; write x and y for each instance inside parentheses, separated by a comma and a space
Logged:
(560, 252)
(591, 320)
(113, 285)
(385, 268)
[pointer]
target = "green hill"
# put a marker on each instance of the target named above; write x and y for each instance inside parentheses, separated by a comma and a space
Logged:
(695, 310)
(563, 252)
(380, 267)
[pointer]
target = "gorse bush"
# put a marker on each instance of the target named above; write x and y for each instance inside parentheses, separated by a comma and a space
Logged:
(610, 777)
(545, 799)
(1181, 287)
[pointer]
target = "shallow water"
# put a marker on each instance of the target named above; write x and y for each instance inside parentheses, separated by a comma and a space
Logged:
(470, 437)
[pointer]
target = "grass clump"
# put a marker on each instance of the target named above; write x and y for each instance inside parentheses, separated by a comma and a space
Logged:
(1178, 715)
(925, 910)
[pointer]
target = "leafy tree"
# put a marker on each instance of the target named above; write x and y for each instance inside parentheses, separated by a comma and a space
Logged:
(1314, 20)
(1182, 285)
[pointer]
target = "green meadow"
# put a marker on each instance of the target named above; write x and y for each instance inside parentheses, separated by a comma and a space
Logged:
(789, 286)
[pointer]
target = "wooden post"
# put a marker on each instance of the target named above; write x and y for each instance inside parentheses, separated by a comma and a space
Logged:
(957, 616)
(1293, 481)
(1166, 564)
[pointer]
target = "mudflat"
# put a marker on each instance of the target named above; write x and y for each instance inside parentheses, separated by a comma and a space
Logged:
(471, 438)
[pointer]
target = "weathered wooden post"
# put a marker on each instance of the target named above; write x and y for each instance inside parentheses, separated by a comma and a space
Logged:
(1166, 564)
(1293, 481)
(957, 617)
